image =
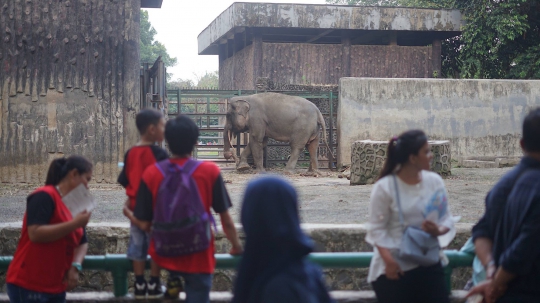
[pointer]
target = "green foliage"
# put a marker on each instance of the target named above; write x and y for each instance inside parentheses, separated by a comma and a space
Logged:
(501, 38)
(151, 49)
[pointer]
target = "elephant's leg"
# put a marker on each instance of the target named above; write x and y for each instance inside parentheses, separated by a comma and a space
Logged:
(293, 158)
(243, 165)
(313, 148)
(258, 153)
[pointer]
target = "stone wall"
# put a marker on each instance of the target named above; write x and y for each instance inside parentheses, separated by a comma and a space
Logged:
(368, 159)
(69, 84)
(113, 239)
(478, 117)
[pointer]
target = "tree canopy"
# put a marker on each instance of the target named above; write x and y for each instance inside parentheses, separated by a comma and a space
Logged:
(208, 80)
(150, 48)
(501, 38)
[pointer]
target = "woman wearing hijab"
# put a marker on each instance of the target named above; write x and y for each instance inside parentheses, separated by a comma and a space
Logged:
(274, 267)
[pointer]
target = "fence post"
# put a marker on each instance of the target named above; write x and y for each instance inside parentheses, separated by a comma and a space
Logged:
(448, 277)
(120, 282)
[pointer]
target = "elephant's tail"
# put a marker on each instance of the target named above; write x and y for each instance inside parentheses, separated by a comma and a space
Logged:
(320, 120)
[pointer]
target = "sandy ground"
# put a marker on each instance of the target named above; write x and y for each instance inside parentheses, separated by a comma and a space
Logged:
(326, 199)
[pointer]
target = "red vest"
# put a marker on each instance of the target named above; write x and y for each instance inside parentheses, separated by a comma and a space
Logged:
(41, 267)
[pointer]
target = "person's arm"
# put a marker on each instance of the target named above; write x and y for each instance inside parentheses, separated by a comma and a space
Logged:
(230, 232)
(221, 202)
(52, 232)
(122, 178)
(40, 208)
(144, 210)
(72, 277)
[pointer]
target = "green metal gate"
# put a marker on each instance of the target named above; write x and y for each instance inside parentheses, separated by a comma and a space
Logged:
(208, 107)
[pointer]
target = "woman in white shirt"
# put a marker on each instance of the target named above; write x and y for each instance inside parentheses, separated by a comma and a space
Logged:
(406, 175)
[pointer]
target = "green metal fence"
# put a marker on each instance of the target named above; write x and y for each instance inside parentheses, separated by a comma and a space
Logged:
(119, 265)
(207, 107)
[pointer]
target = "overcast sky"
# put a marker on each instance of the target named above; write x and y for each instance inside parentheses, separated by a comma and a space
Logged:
(179, 22)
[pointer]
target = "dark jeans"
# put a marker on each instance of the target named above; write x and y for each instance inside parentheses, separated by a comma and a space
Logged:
(419, 285)
(20, 295)
(196, 286)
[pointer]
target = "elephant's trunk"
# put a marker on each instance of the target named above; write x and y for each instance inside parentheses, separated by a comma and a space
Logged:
(227, 153)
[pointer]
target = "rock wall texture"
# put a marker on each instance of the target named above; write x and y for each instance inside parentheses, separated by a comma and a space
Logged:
(113, 239)
(479, 117)
(367, 160)
(69, 84)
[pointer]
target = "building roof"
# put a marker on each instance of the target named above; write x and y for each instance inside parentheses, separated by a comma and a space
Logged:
(319, 23)
(151, 3)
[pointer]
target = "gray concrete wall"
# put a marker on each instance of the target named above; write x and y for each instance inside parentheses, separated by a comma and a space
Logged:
(479, 117)
(69, 84)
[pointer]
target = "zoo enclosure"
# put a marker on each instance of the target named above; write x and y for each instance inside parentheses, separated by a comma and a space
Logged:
(208, 108)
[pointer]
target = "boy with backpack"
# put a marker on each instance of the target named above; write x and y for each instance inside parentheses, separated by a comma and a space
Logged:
(151, 126)
(174, 201)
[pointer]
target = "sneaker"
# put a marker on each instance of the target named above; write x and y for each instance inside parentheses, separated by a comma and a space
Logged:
(140, 290)
(155, 290)
(174, 288)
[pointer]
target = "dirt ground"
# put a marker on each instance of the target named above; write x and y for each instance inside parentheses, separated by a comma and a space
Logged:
(327, 199)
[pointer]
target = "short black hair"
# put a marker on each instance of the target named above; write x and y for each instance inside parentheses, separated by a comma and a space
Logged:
(181, 134)
(531, 131)
(147, 117)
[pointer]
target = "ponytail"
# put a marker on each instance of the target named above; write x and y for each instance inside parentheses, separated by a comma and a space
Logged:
(60, 167)
(400, 148)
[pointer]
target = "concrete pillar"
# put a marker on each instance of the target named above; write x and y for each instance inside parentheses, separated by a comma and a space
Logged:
(436, 58)
(346, 54)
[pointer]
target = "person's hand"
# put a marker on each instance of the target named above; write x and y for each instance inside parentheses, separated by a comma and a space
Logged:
(81, 220)
(489, 290)
(71, 278)
(127, 212)
(392, 270)
(235, 251)
(431, 228)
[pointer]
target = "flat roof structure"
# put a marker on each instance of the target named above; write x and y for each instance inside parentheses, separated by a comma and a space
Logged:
(327, 24)
(151, 3)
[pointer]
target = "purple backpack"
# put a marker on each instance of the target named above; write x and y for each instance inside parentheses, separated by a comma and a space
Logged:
(181, 224)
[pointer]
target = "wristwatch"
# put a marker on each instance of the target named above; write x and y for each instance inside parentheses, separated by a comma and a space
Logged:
(77, 266)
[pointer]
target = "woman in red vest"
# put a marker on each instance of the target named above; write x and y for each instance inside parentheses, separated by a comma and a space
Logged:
(53, 244)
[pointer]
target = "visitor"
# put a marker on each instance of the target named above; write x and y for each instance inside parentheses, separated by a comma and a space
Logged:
(507, 236)
(408, 200)
(195, 268)
(53, 243)
(151, 126)
(274, 267)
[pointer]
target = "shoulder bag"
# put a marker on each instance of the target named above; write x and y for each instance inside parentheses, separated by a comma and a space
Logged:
(417, 246)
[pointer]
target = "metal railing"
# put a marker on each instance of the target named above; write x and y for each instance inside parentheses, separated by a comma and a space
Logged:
(119, 265)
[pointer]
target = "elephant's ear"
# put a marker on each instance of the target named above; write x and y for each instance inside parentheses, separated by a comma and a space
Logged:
(242, 107)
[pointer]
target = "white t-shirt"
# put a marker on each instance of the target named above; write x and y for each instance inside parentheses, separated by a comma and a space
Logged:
(384, 228)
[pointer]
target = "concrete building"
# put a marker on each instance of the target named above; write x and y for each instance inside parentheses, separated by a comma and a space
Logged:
(319, 44)
(69, 84)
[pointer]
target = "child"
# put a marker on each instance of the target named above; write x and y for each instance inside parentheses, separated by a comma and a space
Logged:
(207, 189)
(151, 125)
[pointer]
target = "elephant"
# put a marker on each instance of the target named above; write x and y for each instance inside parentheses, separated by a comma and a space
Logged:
(280, 117)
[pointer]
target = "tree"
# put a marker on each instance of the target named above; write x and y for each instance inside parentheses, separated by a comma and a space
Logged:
(208, 80)
(180, 84)
(501, 38)
(150, 48)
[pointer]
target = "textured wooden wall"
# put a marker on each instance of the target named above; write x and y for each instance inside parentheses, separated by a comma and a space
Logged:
(391, 61)
(236, 72)
(69, 84)
(299, 63)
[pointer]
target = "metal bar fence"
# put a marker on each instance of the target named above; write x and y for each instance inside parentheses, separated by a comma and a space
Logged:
(119, 265)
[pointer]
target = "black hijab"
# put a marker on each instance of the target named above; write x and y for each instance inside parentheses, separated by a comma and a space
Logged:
(275, 246)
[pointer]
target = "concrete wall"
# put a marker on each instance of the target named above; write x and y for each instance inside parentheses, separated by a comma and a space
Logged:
(479, 117)
(69, 84)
